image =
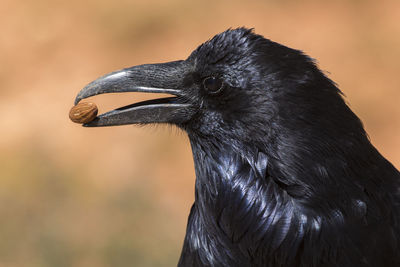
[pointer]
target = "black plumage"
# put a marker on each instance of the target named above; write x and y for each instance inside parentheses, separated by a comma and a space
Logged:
(285, 173)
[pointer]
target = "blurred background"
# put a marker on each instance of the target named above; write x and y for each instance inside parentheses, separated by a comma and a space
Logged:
(71, 196)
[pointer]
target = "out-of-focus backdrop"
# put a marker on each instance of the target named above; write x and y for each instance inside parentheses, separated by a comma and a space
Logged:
(72, 196)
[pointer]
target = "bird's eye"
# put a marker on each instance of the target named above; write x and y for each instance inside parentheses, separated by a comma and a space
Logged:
(213, 84)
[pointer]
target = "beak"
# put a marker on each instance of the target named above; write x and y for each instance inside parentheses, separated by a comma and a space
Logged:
(150, 78)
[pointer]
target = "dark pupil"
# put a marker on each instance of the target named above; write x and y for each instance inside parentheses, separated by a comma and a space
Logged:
(212, 84)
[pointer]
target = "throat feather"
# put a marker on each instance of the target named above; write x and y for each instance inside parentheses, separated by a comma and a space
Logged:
(236, 199)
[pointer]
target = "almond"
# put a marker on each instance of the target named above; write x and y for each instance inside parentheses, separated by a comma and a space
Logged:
(83, 112)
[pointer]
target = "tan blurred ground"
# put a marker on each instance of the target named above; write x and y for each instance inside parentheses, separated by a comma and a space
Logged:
(120, 196)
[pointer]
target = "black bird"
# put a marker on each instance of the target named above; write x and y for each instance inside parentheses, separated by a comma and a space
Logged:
(285, 173)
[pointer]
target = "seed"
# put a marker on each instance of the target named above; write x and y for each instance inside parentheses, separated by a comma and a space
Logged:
(83, 112)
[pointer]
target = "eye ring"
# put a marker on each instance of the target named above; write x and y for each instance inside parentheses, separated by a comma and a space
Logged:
(213, 84)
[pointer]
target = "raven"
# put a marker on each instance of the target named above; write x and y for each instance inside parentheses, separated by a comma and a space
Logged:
(285, 172)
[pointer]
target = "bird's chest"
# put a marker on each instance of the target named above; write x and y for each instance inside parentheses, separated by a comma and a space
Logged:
(234, 211)
(226, 192)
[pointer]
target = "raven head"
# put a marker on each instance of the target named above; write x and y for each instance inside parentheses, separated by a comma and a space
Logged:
(234, 86)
